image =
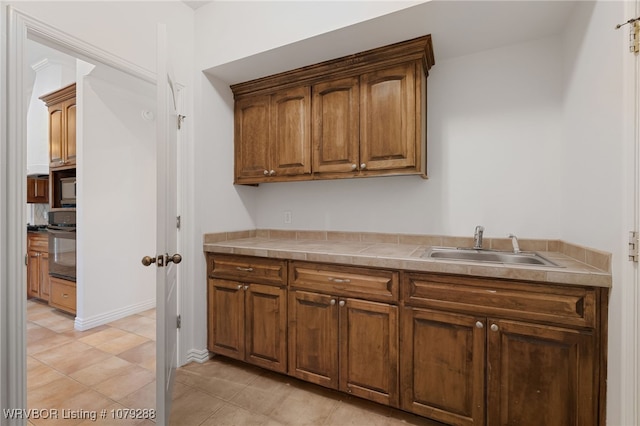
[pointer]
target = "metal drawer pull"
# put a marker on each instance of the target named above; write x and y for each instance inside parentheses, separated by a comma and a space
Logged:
(341, 303)
(239, 286)
(333, 302)
(339, 280)
(479, 324)
(65, 295)
(494, 327)
(240, 268)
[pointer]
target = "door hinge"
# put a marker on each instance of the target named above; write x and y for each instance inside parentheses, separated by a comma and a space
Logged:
(179, 322)
(178, 221)
(633, 246)
(180, 120)
(634, 34)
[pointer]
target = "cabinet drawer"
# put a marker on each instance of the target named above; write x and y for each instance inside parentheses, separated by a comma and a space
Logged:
(371, 284)
(63, 295)
(38, 242)
(248, 269)
(570, 305)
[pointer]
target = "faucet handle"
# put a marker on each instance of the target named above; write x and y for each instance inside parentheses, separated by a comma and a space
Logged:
(514, 242)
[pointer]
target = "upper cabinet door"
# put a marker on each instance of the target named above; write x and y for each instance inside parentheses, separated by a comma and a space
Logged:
(388, 118)
(336, 126)
(291, 132)
(70, 131)
(56, 137)
(252, 138)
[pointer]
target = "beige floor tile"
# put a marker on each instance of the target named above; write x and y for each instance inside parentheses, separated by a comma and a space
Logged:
(140, 353)
(70, 357)
(230, 415)
(150, 313)
(103, 336)
(41, 375)
(145, 397)
(303, 407)
(75, 334)
(37, 332)
(47, 343)
(148, 331)
(117, 387)
(122, 343)
(221, 388)
(102, 371)
(55, 394)
(133, 323)
(193, 407)
(263, 394)
(81, 407)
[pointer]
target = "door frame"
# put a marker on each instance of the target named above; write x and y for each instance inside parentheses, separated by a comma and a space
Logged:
(20, 27)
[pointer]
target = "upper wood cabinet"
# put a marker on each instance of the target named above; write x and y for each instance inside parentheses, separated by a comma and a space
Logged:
(38, 189)
(62, 126)
(273, 136)
(356, 116)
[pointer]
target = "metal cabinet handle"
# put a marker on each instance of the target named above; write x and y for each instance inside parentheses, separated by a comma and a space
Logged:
(266, 172)
(494, 327)
(272, 172)
(339, 280)
(239, 286)
(363, 166)
(333, 302)
(245, 287)
(240, 268)
(479, 324)
(341, 303)
(354, 166)
(65, 295)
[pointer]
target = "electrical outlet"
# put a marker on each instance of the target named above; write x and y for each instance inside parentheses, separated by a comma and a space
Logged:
(287, 217)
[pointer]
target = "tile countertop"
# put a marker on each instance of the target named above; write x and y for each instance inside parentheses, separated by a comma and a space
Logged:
(577, 265)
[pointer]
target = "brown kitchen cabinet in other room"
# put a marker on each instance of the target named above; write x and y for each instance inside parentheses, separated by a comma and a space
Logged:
(38, 283)
(273, 136)
(344, 342)
(38, 189)
(248, 315)
(63, 295)
(62, 126)
(481, 351)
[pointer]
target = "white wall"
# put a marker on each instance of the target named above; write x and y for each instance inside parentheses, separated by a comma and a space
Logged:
(597, 161)
(116, 209)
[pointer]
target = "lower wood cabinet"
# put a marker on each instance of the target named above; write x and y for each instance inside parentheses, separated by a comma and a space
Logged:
(38, 283)
(344, 343)
(247, 310)
(63, 295)
(458, 350)
(248, 322)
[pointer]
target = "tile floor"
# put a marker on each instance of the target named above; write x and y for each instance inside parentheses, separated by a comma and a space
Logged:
(113, 366)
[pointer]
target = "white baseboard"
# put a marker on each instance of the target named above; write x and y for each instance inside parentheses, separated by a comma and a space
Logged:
(82, 324)
(198, 355)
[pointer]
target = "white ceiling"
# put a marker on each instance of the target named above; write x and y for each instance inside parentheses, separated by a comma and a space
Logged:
(457, 27)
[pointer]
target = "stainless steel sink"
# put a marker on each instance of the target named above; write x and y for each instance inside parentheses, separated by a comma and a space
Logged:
(491, 256)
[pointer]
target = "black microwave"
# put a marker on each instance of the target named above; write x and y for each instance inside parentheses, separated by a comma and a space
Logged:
(68, 192)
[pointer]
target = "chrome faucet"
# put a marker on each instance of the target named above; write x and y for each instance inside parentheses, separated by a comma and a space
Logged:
(514, 241)
(477, 237)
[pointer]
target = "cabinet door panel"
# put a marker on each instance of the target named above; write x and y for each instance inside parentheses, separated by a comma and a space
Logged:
(252, 137)
(226, 304)
(443, 364)
(388, 118)
(70, 126)
(369, 350)
(336, 126)
(45, 282)
(540, 375)
(313, 338)
(56, 136)
(266, 326)
(291, 132)
(33, 274)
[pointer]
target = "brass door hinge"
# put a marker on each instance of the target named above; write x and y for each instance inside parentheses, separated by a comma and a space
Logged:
(633, 246)
(634, 34)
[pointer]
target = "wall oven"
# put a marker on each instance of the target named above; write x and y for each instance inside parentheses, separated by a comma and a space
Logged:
(62, 244)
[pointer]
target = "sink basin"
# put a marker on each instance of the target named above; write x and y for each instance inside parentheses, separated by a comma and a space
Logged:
(492, 256)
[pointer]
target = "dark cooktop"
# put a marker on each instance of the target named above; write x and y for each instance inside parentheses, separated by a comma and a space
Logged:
(36, 228)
